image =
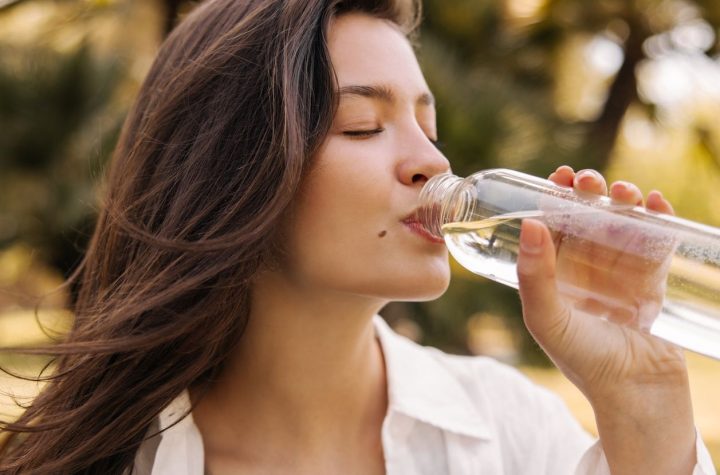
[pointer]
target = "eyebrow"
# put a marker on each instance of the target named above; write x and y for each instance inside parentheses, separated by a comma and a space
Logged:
(382, 93)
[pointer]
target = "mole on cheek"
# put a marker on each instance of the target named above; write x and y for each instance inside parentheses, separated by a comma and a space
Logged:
(382, 233)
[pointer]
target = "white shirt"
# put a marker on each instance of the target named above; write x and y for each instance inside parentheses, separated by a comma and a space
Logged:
(447, 415)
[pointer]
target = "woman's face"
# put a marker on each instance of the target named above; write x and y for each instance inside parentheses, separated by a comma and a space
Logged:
(353, 230)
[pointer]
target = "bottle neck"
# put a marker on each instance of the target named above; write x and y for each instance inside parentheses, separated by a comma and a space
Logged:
(445, 198)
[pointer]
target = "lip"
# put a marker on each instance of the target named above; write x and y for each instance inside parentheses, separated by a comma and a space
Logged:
(414, 225)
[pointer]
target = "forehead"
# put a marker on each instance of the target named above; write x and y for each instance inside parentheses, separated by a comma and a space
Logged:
(368, 50)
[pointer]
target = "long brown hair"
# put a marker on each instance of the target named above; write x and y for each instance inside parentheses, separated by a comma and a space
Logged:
(237, 101)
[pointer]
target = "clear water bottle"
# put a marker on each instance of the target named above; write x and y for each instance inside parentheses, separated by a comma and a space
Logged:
(656, 272)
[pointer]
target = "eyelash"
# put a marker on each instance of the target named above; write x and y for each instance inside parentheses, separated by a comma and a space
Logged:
(369, 133)
(362, 133)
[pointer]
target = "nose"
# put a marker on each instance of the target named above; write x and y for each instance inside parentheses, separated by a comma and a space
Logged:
(421, 162)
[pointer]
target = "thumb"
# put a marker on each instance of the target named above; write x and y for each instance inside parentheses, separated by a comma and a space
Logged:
(545, 315)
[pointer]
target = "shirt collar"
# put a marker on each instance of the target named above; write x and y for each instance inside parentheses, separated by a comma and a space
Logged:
(421, 387)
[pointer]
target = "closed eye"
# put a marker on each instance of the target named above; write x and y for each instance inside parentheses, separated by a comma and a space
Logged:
(363, 133)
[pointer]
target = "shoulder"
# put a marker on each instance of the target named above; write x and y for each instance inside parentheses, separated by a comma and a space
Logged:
(496, 383)
(528, 421)
(499, 392)
(475, 374)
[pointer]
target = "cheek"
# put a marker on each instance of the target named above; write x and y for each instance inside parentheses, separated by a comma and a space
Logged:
(357, 246)
(346, 196)
(339, 218)
(346, 235)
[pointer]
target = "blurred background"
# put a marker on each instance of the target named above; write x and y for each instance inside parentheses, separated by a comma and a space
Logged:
(628, 87)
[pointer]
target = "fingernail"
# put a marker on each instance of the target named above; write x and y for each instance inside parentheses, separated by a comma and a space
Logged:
(531, 238)
(586, 175)
(619, 186)
(584, 179)
(655, 195)
(588, 179)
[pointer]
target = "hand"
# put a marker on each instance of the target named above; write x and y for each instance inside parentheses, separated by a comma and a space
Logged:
(561, 285)
(609, 263)
(637, 384)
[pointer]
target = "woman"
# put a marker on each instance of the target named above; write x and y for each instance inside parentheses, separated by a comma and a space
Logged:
(260, 211)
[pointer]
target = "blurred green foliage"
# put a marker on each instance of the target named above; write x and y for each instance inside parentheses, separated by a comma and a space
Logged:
(494, 67)
(56, 135)
(512, 83)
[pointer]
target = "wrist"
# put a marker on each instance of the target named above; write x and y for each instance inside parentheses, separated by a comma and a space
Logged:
(647, 430)
(647, 393)
(647, 383)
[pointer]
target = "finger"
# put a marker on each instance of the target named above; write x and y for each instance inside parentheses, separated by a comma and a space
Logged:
(624, 192)
(563, 176)
(590, 181)
(656, 202)
(545, 316)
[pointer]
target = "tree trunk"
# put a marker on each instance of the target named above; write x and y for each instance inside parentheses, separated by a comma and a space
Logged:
(603, 133)
(172, 8)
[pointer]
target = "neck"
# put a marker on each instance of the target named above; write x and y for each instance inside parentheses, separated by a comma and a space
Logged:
(308, 374)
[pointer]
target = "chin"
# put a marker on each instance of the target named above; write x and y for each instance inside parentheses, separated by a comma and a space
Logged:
(415, 289)
(430, 294)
